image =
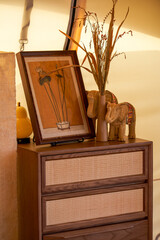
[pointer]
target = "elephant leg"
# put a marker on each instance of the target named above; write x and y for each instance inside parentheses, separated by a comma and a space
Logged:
(122, 129)
(94, 122)
(116, 131)
(132, 132)
(112, 135)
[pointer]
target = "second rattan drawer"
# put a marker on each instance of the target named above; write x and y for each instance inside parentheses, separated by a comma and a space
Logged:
(89, 208)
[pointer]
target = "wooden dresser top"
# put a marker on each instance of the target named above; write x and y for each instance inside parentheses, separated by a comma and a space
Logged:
(87, 145)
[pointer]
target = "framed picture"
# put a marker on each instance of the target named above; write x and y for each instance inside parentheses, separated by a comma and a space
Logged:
(55, 96)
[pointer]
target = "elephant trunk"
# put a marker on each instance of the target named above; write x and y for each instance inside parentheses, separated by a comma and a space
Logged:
(92, 107)
(111, 114)
(108, 116)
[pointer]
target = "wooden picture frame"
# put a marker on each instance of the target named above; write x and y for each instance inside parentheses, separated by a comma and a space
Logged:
(56, 99)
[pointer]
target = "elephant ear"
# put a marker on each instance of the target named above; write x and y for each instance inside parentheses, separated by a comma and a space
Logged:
(123, 111)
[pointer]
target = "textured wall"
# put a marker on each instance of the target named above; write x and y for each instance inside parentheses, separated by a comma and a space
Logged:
(8, 196)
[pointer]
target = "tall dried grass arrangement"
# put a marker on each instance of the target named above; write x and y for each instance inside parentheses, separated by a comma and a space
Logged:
(103, 43)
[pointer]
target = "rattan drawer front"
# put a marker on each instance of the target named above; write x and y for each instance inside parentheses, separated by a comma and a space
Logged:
(64, 171)
(80, 208)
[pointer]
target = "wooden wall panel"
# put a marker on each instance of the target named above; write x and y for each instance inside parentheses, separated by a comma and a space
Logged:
(8, 186)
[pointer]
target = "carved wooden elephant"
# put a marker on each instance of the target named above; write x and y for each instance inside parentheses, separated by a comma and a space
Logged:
(92, 96)
(118, 115)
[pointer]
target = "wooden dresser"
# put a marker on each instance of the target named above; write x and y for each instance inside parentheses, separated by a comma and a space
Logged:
(86, 191)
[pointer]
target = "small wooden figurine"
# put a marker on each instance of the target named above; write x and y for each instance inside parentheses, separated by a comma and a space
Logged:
(118, 115)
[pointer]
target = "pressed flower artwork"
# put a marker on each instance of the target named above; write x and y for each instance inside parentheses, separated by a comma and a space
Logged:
(60, 110)
(58, 97)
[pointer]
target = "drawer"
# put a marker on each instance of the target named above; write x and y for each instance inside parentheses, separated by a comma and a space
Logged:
(137, 230)
(70, 172)
(91, 208)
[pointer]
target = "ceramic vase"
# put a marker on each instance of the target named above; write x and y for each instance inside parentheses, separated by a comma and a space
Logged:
(102, 130)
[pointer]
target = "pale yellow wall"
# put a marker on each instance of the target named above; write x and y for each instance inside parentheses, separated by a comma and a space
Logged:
(136, 79)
